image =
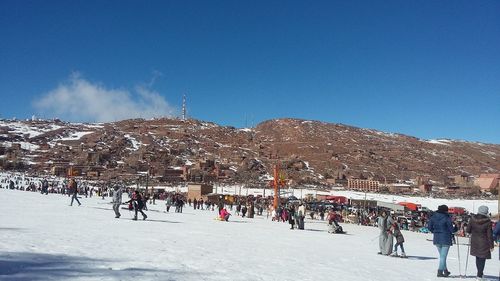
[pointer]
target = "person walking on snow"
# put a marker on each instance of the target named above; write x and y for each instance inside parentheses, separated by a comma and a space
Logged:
(291, 216)
(117, 200)
(243, 211)
(396, 231)
(73, 187)
(168, 202)
(138, 204)
(301, 215)
(481, 238)
(385, 241)
(441, 226)
(45, 186)
(238, 209)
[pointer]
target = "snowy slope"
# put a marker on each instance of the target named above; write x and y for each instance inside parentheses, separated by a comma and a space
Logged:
(42, 238)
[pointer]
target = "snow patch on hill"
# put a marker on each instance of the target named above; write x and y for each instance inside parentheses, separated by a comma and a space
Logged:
(76, 136)
(440, 141)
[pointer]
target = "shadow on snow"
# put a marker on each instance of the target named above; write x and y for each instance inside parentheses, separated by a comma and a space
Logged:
(35, 266)
(421, 258)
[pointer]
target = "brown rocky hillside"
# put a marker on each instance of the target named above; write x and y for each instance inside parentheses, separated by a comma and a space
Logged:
(308, 151)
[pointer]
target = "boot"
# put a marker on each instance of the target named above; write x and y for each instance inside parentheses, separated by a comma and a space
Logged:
(135, 218)
(446, 273)
(440, 273)
(144, 217)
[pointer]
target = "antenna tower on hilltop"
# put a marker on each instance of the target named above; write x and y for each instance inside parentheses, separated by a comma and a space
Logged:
(184, 107)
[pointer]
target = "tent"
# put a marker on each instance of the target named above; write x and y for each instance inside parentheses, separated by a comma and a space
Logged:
(410, 206)
(338, 199)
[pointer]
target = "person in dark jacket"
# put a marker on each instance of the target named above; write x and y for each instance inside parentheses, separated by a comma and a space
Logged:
(243, 211)
(73, 187)
(291, 216)
(396, 232)
(481, 238)
(441, 226)
(45, 186)
(138, 204)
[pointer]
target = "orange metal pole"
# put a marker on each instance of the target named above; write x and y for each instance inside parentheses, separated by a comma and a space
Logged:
(276, 186)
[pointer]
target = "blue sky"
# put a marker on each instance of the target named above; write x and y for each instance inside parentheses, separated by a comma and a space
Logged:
(429, 69)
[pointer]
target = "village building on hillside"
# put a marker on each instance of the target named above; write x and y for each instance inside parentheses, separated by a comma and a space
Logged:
(488, 182)
(425, 187)
(463, 180)
(363, 185)
(402, 188)
(175, 174)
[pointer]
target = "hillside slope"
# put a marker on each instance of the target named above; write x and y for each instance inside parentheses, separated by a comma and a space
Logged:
(309, 151)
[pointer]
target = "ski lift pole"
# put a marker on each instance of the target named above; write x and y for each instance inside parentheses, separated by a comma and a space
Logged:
(276, 187)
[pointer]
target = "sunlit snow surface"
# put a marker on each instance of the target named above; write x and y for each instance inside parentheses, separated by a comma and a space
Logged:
(43, 238)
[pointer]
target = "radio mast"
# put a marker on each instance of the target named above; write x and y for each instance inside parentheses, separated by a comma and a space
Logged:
(184, 107)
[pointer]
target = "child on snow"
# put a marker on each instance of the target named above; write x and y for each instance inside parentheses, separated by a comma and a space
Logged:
(333, 225)
(396, 231)
(224, 215)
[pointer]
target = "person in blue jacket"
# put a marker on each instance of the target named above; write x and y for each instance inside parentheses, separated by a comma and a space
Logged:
(441, 226)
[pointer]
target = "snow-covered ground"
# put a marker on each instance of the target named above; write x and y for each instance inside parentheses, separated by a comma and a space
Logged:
(43, 238)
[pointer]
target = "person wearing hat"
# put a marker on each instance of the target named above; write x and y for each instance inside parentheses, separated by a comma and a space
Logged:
(442, 228)
(481, 238)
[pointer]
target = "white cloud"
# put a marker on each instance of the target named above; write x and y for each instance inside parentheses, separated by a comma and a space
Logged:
(80, 100)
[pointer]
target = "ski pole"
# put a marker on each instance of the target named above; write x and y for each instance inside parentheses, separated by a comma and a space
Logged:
(467, 258)
(458, 251)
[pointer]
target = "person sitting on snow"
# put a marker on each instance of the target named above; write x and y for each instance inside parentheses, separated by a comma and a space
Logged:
(334, 226)
(224, 214)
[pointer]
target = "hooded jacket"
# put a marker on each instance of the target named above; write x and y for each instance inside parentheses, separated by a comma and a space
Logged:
(117, 196)
(442, 228)
(481, 240)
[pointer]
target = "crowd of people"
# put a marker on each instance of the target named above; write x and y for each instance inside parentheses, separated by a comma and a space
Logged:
(47, 185)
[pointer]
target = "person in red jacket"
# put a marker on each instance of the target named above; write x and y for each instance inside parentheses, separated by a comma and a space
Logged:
(224, 214)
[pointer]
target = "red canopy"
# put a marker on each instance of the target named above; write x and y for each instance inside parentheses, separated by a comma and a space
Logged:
(409, 205)
(338, 199)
